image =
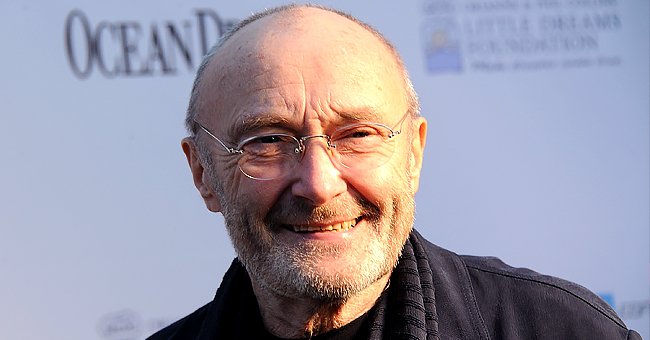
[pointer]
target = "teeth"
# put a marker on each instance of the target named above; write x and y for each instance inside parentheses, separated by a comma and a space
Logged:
(343, 226)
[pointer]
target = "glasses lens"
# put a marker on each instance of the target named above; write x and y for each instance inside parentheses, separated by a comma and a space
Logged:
(357, 147)
(268, 156)
(363, 146)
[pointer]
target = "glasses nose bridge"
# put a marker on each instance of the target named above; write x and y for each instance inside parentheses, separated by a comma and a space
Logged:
(301, 142)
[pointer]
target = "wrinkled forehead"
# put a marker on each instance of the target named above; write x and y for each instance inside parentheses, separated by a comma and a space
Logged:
(275, 57)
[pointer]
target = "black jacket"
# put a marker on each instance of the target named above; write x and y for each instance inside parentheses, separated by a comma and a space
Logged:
(461, 297)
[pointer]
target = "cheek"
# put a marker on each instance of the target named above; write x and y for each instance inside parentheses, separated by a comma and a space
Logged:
(375, 186)
(257, 196)
(248, 204)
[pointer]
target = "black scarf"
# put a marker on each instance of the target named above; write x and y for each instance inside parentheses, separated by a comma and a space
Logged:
(409, 309)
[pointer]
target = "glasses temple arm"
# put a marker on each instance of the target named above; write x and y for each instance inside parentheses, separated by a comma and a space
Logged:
(230, 150)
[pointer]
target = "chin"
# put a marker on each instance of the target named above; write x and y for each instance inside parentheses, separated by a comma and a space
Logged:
(323, 275)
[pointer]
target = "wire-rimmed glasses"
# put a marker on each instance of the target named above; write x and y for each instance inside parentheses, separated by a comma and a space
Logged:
(358, 146)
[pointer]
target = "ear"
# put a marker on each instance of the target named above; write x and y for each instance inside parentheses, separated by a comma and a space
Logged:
(200, 176)
(417, 151)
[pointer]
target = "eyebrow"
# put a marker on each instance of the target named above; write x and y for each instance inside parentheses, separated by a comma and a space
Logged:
(249, 123)
(253, 122)
(360, 115)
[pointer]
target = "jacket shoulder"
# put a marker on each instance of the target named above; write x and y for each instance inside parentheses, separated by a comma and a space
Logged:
(232, 314)
(521, 303)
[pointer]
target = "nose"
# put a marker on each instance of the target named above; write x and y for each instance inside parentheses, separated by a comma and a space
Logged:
(318, 178)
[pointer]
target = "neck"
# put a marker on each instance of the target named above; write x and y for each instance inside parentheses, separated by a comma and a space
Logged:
(299, 317)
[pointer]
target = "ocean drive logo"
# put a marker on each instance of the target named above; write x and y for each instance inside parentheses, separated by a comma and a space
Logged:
(132, 48)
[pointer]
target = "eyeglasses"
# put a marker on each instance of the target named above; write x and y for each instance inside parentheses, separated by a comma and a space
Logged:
(360, 146)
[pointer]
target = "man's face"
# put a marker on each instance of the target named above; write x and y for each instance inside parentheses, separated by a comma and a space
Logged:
(307, 80)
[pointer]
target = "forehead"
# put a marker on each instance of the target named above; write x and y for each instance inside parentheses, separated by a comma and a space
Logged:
(307, 63)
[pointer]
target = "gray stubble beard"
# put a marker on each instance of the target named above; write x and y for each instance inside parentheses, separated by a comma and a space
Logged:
(293, 271)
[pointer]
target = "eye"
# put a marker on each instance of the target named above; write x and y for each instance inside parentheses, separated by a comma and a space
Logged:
(268, 139)
(269, 145)
(358, 132)
(359, 138)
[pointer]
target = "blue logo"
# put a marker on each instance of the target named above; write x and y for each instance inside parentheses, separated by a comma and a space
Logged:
(441, 44)
(608, 297)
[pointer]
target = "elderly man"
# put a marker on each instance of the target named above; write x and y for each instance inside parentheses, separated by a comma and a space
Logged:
(306, 136)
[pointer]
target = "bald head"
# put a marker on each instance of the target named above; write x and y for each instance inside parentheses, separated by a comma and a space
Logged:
(292, 36)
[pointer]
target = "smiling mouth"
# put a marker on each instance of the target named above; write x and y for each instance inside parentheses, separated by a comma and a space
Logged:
(337, 227)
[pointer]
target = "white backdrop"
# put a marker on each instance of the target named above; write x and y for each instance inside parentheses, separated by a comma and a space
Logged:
(538, 151)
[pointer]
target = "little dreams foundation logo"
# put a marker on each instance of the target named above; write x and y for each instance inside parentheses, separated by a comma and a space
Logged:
(441, 45)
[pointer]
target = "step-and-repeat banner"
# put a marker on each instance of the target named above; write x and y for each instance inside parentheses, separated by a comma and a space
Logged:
(538, 151)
